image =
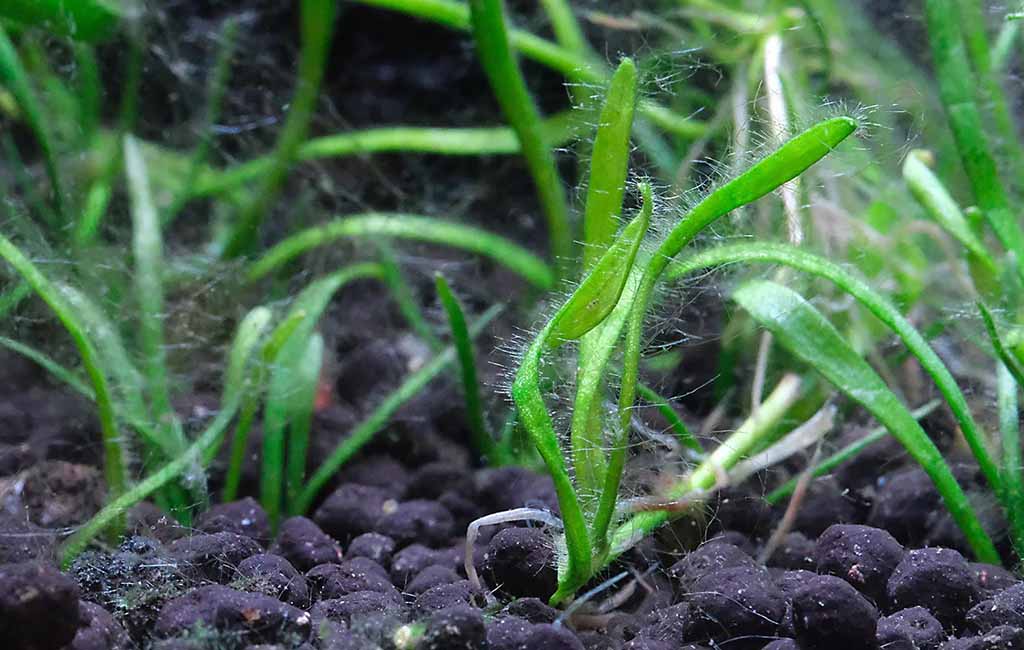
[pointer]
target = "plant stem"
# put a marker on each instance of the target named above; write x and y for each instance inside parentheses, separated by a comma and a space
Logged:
(404, 226)
(85, 20)
(317, 27)
(487, 18)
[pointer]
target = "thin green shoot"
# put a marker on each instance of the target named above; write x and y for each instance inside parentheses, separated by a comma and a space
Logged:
(679, 428)
(495, 53)
(940, 206)
(784, 491)
(113, 461)
(216, 87)
(402, 293)
(571, 65)
(90, 90)
(705, 478)
(957, 90)
(14, 77)
(317, 20)
(406, 226)
(557, 131)
(84, 20)
(483, 441)
(807, 335)
(300, 417)
(789, 161)
(586, 308)
(147, 249)
(878, 306)
(373, 423)
(609, 164)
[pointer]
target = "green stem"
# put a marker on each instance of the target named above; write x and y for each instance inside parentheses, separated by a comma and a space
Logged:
(404, 226)
(1009, 427)
(498, 60)
(317, 27)
(85, 20)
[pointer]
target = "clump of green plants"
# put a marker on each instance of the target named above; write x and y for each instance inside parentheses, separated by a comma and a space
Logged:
(612, 269)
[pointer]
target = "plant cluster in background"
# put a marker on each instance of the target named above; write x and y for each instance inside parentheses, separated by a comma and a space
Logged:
(853, 247)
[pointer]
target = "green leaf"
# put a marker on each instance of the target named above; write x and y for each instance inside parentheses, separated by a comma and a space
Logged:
(595, 298)
(802, 330)
(306, 377)
(609, 163)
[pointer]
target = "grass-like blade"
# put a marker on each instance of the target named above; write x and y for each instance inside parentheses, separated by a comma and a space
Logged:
(802, 330)
(482, 438)
(875, 303)
(300, 416)
(574, 66)
(85, 20)
(317, 21)
(113, 460)
(487, 18)
(940, 206)
(373, 423)
(403, 296)
(405, 226)
(1008, 388)
(147, 249)
(958, 93)
(15, 78)
(609, 163)
(679, 428)
(846, 453)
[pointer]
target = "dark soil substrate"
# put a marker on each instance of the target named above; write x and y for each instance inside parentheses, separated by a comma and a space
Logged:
(870, 564)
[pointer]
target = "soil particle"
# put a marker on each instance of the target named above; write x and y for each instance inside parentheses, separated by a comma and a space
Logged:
(533, 610)
(422, 521)
(520, 562)
(737, 539)
(331, 581)
(1006, 607)
(354, 607)
(243, 517)
(455, 628)
(444, 596)
(305, 545)
(23, 541)
(373, 546)
(407, 563)
(39, 607)
(910, 629)
(707, 559)
(667, 625)
(938, 579)
(1003, 637)
(902, 505)
(826, 503)
(98, 630)
(794, 553)
(352, 510)
(378, 471)
(506, 488)
(550, 637)
(253, 617)
(829, 614)
(274, 576)
(430, 577)
(147, 520)
(738, 509)
(432, 480)
(216, 556)
(861, 555)
(789, 582)
(739, 604)
(507, 633)
(54, 494)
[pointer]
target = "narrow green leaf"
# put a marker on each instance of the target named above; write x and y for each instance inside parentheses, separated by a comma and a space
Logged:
(807, 335)
(85, 20)
(404, 226)
(595, 298)
(487, 18)
(373, 423)
(683, 434)
(306, 377)
(482, 438)
(609, 164)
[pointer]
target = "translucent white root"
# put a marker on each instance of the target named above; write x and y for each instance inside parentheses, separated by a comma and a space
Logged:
(504, 517)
